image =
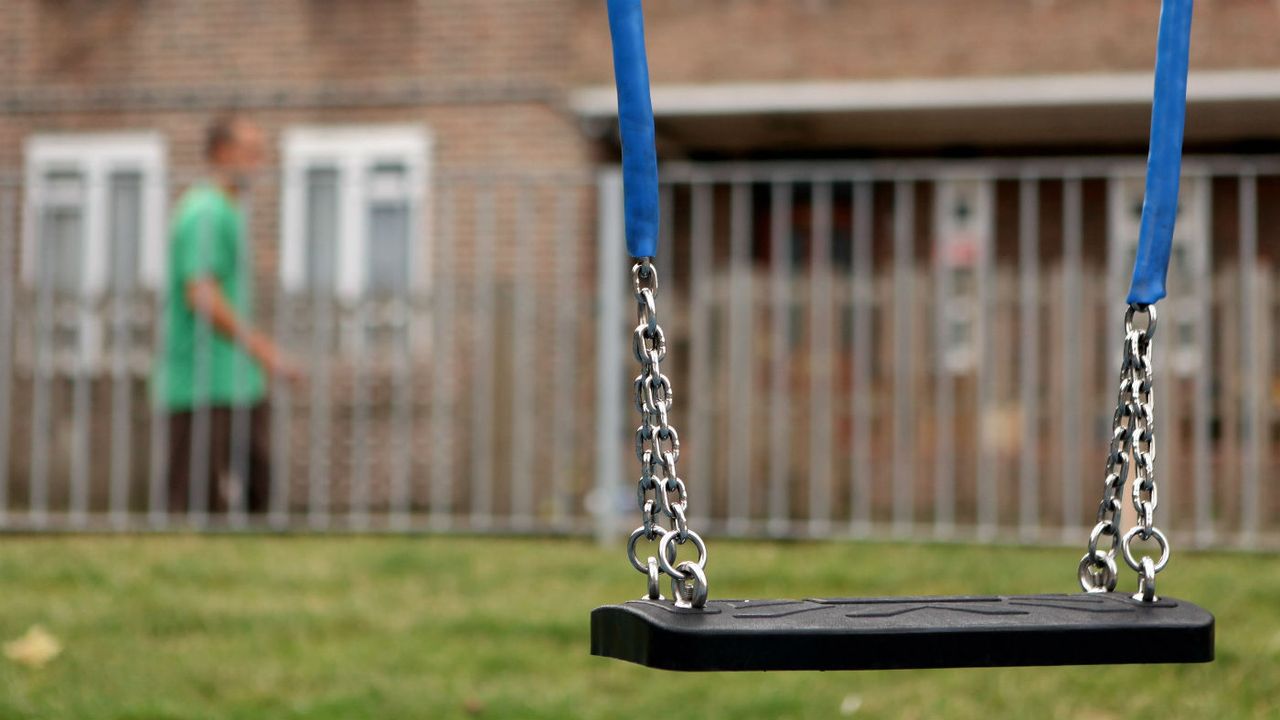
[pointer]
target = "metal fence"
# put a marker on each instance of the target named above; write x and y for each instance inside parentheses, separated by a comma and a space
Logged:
(916, 348)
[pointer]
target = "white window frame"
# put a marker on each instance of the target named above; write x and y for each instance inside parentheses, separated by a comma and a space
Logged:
(95, 156)
(353, 150)
(1126, 188)
(962, 245)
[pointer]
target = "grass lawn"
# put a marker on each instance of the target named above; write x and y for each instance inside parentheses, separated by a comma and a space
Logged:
(341, 627)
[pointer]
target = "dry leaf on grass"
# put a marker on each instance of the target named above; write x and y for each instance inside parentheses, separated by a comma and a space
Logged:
(34, 649)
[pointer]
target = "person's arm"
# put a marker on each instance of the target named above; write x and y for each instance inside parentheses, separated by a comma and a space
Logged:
(207, 300)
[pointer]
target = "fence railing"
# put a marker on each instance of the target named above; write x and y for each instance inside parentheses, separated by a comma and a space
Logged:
(930, 349)
(922, 349)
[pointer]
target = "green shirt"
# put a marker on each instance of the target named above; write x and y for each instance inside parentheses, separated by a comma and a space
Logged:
(197, 365)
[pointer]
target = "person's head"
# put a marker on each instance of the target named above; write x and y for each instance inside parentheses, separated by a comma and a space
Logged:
(234, 147)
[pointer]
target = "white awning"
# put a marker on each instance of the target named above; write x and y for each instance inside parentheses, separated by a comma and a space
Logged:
(929, 94)
(1037, 109)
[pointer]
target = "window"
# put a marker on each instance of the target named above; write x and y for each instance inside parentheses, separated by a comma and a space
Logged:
(93, 238)
(352, 212)
(1188, 260)
(963, 218)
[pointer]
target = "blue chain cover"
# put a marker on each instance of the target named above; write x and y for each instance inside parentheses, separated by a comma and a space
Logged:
(1164, 158)
(635, 122)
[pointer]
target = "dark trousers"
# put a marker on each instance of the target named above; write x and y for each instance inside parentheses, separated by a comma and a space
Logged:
(226, 459)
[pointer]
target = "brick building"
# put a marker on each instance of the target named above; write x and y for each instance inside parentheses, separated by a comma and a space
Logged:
(414, 139)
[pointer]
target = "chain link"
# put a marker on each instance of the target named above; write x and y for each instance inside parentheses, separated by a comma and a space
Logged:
(1132, 446)
(660, 491)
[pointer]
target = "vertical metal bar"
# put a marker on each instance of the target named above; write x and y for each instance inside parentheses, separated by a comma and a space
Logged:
(1202, 400)
(358, 472)
(404, 311)
(820, 351)
(862, 291)
(1253, 382)
(8, 280)
(319, 414)
(610, 341)
(405, 308)
(443, 382)
(42, 373)
(158, 457)
(987, 471)
(199, 490)
(1029, 355)
(903, 364)
(482, 360)
(1072, 304)
(523, 365)
(781, 241)
(358, 489)
(701, 225)
(944, 465)
(121, 383)
(740, 349)
(82, 404)
(282, 394)
(564, 379)
(238, 442)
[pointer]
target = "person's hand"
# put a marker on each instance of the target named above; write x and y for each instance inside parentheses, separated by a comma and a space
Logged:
(282, 366)
(278, 363)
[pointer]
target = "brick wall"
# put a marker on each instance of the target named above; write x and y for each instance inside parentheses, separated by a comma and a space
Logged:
(727, 40)
(486, 75)
(490, 76)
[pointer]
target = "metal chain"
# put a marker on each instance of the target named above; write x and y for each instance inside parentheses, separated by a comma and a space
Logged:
(1132, 444)
(660, 490)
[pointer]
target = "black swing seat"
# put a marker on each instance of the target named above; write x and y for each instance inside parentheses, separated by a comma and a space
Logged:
(902, 633)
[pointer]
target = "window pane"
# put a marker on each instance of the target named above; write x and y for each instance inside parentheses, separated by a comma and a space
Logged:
(388, 249)
(124, 224)
(321, 236)
(62, 231)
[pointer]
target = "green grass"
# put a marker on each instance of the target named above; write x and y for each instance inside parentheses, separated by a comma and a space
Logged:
(337, 627)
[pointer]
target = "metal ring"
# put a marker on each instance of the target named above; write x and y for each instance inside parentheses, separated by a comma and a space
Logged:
(1088, 578)
(648, 311)
(1154, 532)
(664, 495)
(652, 391)
(1146, 581)
(655, 591)
(639, 385)
(1134, 308)
(665, 562)
(658, 339)
(668, 434)
(631, 548)
(690, 597)
(1153, 493)
(644, 269)
(648, 518)
(644, 434)
(643, 487)
(679, 523)
(648, 388)
(1104, 527)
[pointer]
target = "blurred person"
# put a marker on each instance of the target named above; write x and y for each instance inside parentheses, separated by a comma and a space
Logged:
(213, 363)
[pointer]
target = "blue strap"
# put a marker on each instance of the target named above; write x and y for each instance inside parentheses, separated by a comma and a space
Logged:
(1164, 159)
(635, 121)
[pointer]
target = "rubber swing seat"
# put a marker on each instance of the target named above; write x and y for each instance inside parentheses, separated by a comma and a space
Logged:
(904, 633)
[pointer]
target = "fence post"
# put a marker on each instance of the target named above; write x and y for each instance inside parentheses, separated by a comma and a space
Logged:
(8, 280)
(1254, 382)
(610, 341)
